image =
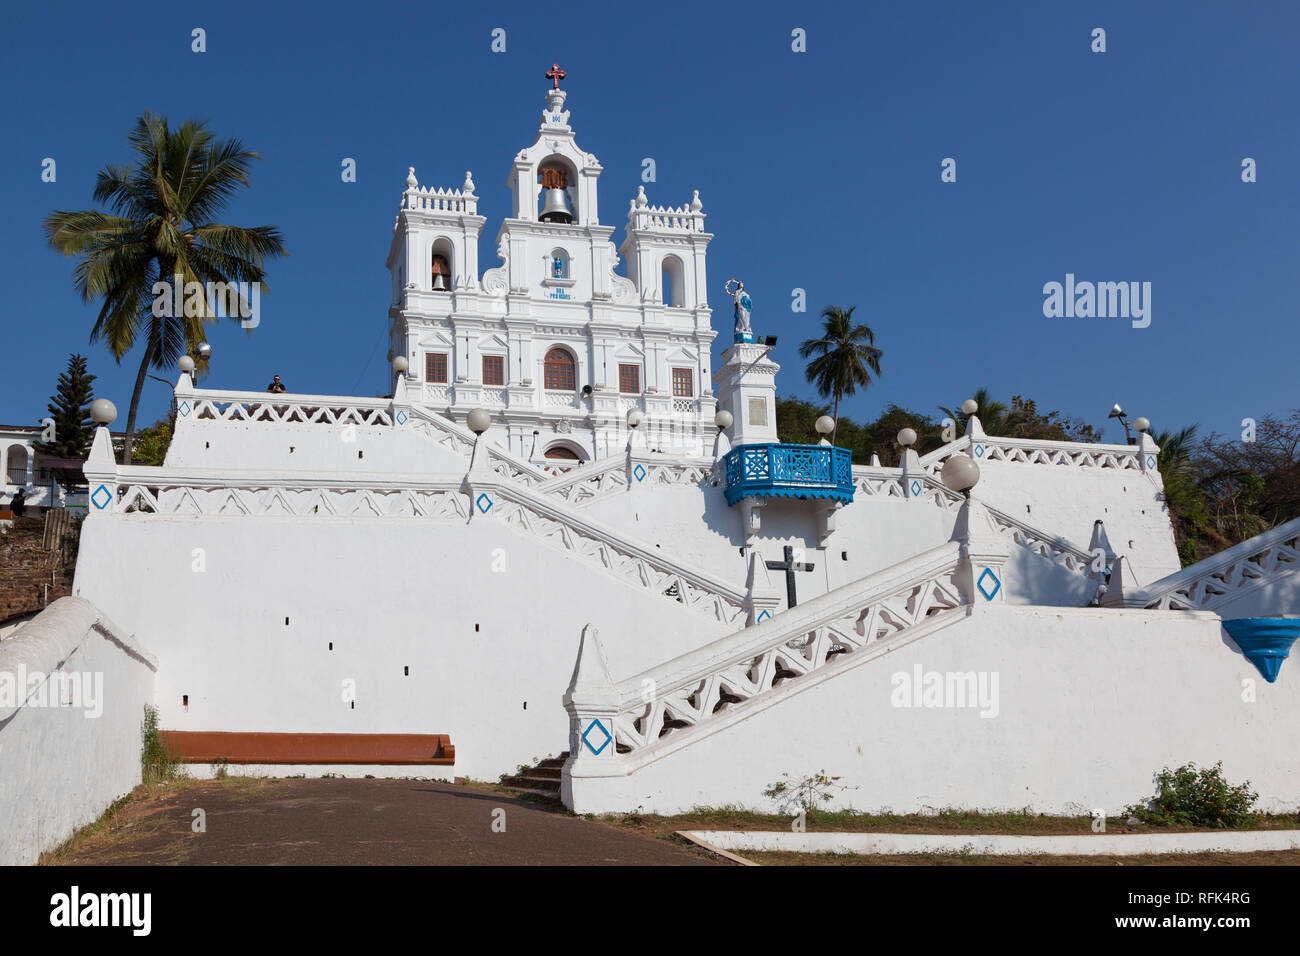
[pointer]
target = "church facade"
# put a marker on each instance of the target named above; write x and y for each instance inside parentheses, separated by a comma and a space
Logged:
(422, 584)
(553, 341)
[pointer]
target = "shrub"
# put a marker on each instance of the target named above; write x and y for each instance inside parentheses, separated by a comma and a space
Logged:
(156, 764)
(805, 794)
(1197, 798)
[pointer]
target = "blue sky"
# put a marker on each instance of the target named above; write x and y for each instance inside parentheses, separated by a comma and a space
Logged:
(818, 170)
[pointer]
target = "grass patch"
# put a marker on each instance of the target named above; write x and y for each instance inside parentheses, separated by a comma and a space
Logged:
(1253, 858)
(102, 825)
(954, 821)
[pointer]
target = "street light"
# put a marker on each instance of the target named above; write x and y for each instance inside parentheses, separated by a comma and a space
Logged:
(1117, 412)
(960, 473)
(102, 411)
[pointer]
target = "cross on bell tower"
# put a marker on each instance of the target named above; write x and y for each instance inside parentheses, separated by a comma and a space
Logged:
(556, 74)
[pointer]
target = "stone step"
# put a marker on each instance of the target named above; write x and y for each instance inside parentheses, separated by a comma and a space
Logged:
(526, 781)
(548, 794)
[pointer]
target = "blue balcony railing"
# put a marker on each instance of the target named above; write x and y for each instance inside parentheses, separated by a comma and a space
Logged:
(789, 471)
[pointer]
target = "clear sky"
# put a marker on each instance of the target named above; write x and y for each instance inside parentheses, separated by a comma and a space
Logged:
(818, 170)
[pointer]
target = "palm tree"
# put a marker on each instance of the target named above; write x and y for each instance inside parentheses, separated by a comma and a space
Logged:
(995, 416)
(161, 224)
(846, 357)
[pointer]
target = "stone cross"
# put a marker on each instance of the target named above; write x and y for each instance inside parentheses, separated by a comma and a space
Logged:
(556, 74)
(789, 566)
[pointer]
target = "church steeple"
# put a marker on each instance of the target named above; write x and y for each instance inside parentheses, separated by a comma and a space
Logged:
(554, 168)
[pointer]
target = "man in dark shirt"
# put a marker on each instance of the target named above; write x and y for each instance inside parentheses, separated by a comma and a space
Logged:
(276, 386)
(19, 505)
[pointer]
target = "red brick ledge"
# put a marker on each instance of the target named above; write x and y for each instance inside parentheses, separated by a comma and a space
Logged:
(190, 746)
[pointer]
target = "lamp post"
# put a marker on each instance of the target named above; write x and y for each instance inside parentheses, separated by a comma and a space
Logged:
(1117, 412)
(479, 420)
(825, 425)
(960, 473)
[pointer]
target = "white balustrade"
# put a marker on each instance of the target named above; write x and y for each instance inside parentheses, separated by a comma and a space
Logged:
(699, 686)
(1225, 576)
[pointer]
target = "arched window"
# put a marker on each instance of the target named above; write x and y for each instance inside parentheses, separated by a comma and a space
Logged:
(442, 278)
(562, 453)
(561, 373)
(17, 465)
(672, 284)
(559, 265)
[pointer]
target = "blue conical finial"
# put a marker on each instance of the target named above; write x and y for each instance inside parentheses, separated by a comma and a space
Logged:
(1265, 641)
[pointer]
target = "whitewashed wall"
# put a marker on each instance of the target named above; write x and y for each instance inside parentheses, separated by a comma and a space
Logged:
(60, 768)
(1091, 703)
(298, 447)
(390, 593)
(871, 534)
(1067, 499)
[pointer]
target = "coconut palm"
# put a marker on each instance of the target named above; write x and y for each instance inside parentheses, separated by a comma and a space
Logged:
(161, 224)
(846, 355)
(995, 416)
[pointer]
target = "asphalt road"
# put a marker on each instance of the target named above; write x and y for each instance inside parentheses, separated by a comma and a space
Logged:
(343, 822)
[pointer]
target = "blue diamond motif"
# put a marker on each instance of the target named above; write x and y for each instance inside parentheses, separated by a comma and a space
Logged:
(639, 472)
(988, 595)
(108, 496)
(484, 503)
(763, 615)
(401, 418)
(184, 409)
(916, 488)
(979, 451)
(594, 725)
(1151, 462)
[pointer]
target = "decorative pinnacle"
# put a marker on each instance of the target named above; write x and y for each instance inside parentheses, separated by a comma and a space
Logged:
(411, 181)
(468, 188)
(696, 205)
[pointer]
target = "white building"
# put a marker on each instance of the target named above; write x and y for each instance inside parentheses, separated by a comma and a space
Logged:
(23, 465)
(553, 341)
(326, 574)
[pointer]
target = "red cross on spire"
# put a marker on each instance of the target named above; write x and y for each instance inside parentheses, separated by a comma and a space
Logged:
(556, 74)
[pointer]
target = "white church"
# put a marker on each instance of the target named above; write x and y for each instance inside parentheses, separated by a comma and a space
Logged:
(553, 545)
(553, 342)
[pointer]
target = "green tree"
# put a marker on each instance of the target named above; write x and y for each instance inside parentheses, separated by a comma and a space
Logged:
(161, 223)
(796, 418)
(152, 443)
(69, 406)
(1022, 419)
(846, 355)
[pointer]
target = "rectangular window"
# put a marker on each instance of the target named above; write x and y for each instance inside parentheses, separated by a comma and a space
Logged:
(435, 366)
(683, 383)
(494, 370)
(629, 379)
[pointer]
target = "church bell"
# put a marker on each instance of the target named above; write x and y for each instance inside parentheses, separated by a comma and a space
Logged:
(439, 283)
(555, 207)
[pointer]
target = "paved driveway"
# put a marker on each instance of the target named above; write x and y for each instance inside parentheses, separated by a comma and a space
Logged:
(361, 822)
